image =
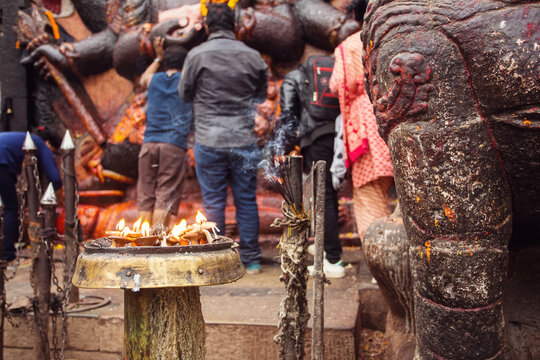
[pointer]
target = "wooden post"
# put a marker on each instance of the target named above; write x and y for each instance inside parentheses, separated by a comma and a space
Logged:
(42, 298)
(164, 323)
(319, 189)
(70, 195)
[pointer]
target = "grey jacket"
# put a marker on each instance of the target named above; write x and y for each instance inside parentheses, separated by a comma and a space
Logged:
(225, 79)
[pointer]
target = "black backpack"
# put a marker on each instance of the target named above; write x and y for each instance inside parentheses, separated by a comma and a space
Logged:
(317, 99)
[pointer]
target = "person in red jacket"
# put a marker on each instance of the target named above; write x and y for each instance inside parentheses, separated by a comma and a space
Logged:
(367, 155)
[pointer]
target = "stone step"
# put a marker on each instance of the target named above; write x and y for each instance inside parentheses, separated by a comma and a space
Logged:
(241, 318)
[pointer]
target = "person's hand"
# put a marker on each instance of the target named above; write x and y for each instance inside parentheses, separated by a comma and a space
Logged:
(296, 151)
(261, 125)
(264, 112)
(68, 50)
(158, 47)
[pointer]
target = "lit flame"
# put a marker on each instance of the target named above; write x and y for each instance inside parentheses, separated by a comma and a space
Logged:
(200, 217)
(145, 228)
(177, 230)
(121, 224)
(137, 225)
(125, 231)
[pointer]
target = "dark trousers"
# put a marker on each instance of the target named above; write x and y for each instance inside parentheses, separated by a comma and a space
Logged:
(11, 211)
(237, 167)
(323, 149)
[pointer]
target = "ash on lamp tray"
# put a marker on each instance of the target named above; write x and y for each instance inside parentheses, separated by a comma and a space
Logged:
(141, 234)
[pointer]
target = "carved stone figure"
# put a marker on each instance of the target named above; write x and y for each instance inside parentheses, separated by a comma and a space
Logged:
(386, 250)
(73, 66)
(456, 93)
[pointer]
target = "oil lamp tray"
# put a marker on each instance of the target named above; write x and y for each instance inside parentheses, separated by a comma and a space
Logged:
(101, 265)
(120, 241)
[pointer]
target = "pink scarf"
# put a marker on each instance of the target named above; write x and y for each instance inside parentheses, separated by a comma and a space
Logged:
(347, 82)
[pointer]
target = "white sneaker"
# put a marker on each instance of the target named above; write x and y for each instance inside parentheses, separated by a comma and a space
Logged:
(332, 271)
(311, 250)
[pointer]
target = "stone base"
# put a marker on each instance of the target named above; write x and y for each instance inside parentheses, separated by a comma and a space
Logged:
(400, 345)
(93, 338)
(241, 317)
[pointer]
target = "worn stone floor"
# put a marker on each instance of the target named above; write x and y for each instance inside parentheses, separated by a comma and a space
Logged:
(241, 317)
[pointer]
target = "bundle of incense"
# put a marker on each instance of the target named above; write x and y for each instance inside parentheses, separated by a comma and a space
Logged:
(282, 184)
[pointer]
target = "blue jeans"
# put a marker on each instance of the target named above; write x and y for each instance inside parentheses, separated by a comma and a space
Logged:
(237, 167)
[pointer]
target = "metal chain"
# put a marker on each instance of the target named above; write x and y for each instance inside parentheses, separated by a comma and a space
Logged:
(60, 301)
(48, 251)
(7, 314)
(56, 301)
(68, 275)
(35, 174)
(42, 327)
(35, 252)
(21, 187)
(34, 163)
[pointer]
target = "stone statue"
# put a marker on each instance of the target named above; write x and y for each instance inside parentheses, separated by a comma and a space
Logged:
(118, 41)
(456, 93)
(386, 250)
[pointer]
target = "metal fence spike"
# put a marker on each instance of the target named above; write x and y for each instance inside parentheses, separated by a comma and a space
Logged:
(28, 142)
(67, 142)
(49, 198)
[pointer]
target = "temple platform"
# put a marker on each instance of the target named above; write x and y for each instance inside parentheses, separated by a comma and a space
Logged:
(241, 318)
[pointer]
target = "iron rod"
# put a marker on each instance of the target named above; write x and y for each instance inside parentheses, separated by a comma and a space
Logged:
(71, 236)
(42, 271)
(41, 346)
(32, 196)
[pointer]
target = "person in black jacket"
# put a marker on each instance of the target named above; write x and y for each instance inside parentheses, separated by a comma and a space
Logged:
(315, 131)
(226, 79)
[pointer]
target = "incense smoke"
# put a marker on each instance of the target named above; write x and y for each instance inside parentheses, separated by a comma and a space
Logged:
(278, 145)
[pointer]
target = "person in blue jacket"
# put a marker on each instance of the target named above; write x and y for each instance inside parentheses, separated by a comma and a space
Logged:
(168, 121)
(11, 159)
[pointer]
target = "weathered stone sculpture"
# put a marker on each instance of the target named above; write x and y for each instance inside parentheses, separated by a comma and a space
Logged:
(456, 93)
(386, 250)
